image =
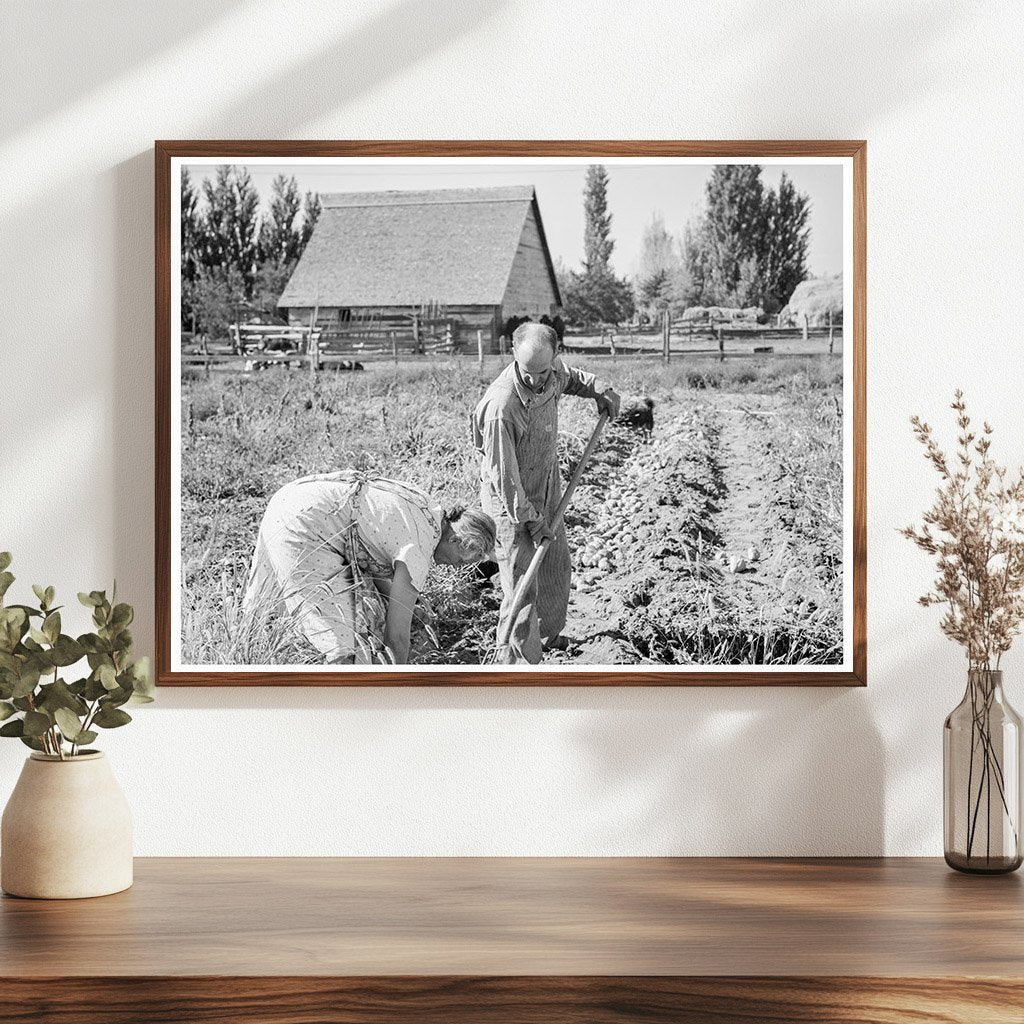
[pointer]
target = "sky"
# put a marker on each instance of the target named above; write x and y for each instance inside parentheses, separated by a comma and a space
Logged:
(636, 192)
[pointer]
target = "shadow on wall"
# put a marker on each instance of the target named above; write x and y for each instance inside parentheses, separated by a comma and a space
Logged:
(746, 771)
(102, 41)
(394, 39)
(806, 59)
(695, 771)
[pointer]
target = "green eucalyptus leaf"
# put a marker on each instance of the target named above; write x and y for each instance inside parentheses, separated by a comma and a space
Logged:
(6, 710)
(67, 651)
(40, 592)
(9, 663)
(94, 689)
(38, 636)
(123, 641)
(6, 579)
(98, 646)
(86, 736)
(111, 718)
(22, 703)
(89, 600)
(115, 698)
(27, 682)
(107, 676)
(59, 695)
(36, 723)
(31, 741)
(13, 624)
(5, 560)
(50, 596)
(141, 698)
(51, 626)
(69, 724)
(142, 678)
(122, 615)
(14, 728)
(29, 610)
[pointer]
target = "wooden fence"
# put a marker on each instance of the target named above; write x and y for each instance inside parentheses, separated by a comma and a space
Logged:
(724, 339)
(348, 345)
(323, 344)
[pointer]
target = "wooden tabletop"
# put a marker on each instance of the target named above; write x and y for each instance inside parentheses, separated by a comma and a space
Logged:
(503, 916)
(464, 939)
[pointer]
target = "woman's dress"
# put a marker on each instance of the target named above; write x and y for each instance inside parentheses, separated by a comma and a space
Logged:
(327, 548)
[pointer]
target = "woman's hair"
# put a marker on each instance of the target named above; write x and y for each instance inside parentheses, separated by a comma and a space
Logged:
(474, 527)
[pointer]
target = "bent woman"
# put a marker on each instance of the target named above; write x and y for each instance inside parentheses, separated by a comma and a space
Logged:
(346, 555)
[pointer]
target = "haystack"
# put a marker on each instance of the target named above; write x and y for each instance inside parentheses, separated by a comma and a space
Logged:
(715, 314)
(815, 298)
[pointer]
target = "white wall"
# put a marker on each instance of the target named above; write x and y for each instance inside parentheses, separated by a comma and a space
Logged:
(936, 88)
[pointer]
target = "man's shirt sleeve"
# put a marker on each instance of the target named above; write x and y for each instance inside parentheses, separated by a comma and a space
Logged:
(580, 383)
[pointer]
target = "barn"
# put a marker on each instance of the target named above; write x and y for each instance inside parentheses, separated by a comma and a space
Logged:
(422, 269)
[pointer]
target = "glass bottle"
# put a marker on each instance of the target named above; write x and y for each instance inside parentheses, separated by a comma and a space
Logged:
(981, 774)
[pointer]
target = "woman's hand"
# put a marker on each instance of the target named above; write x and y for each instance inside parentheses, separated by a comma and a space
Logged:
(398, 623)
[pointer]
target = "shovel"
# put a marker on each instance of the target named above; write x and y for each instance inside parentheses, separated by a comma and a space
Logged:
(519, 596)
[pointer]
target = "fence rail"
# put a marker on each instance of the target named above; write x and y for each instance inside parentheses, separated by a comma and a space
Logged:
(258, 346)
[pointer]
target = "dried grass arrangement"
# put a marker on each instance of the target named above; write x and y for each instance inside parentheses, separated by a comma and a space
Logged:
(975, 529)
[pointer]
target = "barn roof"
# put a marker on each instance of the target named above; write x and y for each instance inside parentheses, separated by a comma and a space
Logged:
(406, 248)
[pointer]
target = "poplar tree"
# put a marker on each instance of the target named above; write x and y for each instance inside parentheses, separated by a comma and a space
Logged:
(190, 227)
(749, 248)
(597, 242)
(230, 230)
(280, 238)
(597, 295)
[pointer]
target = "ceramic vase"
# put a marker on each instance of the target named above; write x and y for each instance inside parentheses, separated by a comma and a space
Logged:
(66, 830)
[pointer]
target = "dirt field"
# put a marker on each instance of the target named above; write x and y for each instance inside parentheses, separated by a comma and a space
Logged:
(718, 542)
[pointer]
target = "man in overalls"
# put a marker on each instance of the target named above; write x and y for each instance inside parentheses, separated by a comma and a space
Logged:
(515, 429)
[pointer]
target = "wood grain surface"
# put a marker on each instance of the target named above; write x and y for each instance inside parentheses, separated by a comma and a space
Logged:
(240, 149)
(307, 940)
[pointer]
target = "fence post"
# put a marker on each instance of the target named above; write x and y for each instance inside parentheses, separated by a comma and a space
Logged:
(807, 323)
(313, 344)
(448, 336)
(666, 337)
(480, 349)
(611, 344)
(313, 348)
(394, 346)
(831, 334)
(417, 348)
(721, 345)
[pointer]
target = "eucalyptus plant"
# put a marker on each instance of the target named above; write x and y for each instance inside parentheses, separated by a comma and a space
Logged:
(45, 711)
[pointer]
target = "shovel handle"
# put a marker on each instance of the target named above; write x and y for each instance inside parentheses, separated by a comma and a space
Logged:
(519, 597)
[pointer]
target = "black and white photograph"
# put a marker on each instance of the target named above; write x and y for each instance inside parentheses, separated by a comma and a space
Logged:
(551, 413)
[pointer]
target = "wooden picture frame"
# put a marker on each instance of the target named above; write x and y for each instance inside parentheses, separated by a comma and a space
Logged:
(851, 155)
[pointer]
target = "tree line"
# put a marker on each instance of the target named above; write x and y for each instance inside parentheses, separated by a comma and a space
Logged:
(748, 248)
(234, 259)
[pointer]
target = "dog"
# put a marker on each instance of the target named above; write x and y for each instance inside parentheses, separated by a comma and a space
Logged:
(639, 417)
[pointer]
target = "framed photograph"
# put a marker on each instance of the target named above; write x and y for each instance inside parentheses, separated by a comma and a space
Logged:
(491, 413)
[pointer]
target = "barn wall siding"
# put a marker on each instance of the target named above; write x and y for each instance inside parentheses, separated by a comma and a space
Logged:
(529, 291)
(467, 320)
